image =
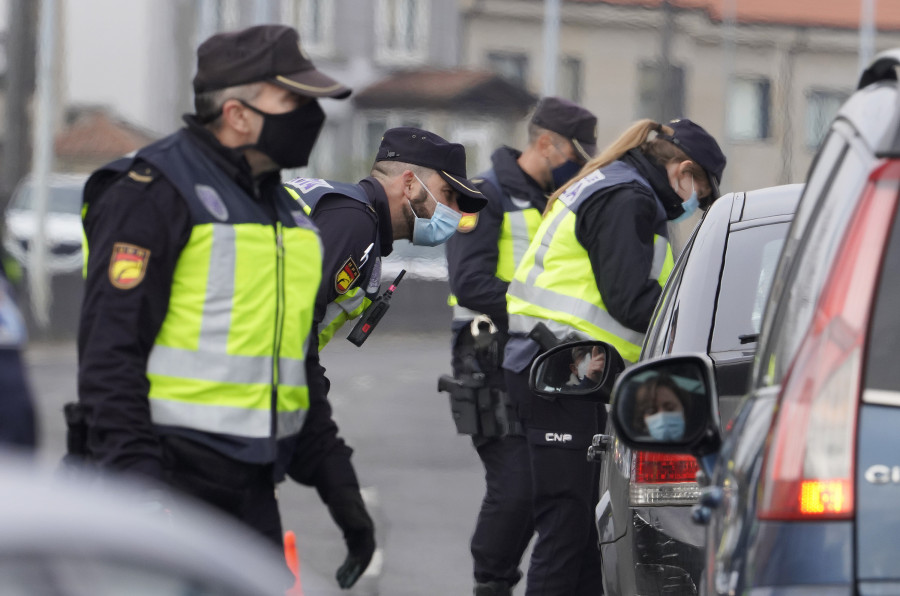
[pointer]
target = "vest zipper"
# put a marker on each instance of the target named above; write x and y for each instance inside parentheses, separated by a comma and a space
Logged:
(279, 323)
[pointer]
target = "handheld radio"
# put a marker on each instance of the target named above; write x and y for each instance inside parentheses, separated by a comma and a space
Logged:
(373, 314)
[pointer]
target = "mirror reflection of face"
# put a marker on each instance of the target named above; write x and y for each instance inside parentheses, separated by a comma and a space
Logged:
(659, 410)
(587, 364)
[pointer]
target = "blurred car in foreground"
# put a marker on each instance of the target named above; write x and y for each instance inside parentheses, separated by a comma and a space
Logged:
(62, 225)
(712, 304)
(803, 488)
(63, 537)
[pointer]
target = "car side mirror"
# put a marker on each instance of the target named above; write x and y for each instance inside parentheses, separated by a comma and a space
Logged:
(581, 370)
(668, 404)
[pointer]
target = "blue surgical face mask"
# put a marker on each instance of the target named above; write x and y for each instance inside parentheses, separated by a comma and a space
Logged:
(439, 227)
(564, 172)
(666, 426)
(690, 206)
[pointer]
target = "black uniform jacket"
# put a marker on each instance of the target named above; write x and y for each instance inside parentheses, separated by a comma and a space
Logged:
(349, 230)
(613, 227)
(472, 257)
(118, 328)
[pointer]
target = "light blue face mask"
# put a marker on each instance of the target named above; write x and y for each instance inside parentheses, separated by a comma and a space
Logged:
(690, 206)
(439, 227)
(666, 426)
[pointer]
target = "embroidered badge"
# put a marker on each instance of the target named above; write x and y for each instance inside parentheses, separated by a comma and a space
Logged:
(304, 185)
(212, 201)
(467, 223)
(346, 277)
(127, 265)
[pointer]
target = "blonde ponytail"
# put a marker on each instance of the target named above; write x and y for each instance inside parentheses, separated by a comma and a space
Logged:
(635, 136)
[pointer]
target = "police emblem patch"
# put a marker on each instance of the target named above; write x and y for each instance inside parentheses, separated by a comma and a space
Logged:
(127, 265)
(467, 223)
(304, 185)
(346, 277)
(212, 201)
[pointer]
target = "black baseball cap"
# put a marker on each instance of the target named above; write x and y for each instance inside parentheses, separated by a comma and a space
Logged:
(701, 147)
(426, 149)
(270, 53)
(570, 120)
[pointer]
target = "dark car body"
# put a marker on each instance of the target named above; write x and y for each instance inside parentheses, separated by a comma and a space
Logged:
(804, 488)
(711, 304)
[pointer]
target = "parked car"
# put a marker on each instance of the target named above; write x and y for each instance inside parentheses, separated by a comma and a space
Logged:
(62, 226)
(712, 304)
(69, 536)
(803, 487)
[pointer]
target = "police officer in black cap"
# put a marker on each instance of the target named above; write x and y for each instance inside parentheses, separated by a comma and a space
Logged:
(562, 136)
(417, 190)
(198, 364)
(595, 270)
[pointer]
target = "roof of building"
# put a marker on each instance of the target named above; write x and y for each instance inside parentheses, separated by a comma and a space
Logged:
(94, 132)
(455, 90)
(843, 14)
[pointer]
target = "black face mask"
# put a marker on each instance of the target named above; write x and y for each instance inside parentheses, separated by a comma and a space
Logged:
(288, 138)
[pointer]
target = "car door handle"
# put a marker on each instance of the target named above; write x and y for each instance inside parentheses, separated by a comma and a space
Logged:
(599, 446)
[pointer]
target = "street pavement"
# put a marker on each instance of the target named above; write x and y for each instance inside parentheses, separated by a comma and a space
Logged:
(423, 483)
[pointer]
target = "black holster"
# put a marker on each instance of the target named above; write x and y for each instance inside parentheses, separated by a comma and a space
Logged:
(478, 398)
(477, 408)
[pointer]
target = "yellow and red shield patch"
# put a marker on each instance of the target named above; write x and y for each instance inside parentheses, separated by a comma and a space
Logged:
(127, 265)
(346, 276)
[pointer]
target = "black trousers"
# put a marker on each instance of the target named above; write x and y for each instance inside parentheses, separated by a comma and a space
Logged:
(565, 560)
(243, 491)
(504, 527)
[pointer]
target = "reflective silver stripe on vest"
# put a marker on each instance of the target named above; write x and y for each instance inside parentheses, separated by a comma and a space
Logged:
(546, 240)
(576, 307)
(225, 368)
(660, 250)
(461, 313)
(337, 308)
(210, 361)
(216, 319)
(519, 229)
(227, 420)
(290, 423)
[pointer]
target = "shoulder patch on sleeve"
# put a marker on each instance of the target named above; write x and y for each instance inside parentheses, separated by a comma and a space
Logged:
(467, 223)
(127, 265)
(346, 276)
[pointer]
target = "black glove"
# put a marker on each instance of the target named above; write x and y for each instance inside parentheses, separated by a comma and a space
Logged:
(349, 513)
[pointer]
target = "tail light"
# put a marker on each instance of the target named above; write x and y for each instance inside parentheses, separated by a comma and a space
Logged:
(809, 467)
(663, 479)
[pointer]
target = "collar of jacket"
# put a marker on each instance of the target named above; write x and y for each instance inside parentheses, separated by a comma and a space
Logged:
(229, 160)
(516, 183)
(376, 194)
(658, 178)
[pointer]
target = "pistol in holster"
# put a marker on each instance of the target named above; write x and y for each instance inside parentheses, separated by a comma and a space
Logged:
(477, 393)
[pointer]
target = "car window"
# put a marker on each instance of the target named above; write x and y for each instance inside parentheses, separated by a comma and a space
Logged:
(663, 317)
(750, 261)
(63, 199)
(882, 372)
(804, 275)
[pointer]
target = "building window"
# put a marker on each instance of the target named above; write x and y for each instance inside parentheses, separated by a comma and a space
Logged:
(314, 20)
(657, 100)
(749, 101)
(511, 66)
(821, 108)
(401, 31)
(570, 79)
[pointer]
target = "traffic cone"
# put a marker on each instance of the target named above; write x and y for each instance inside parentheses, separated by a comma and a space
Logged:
(293, 563)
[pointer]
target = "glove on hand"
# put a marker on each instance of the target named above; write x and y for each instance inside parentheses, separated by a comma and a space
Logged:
(349, 513)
